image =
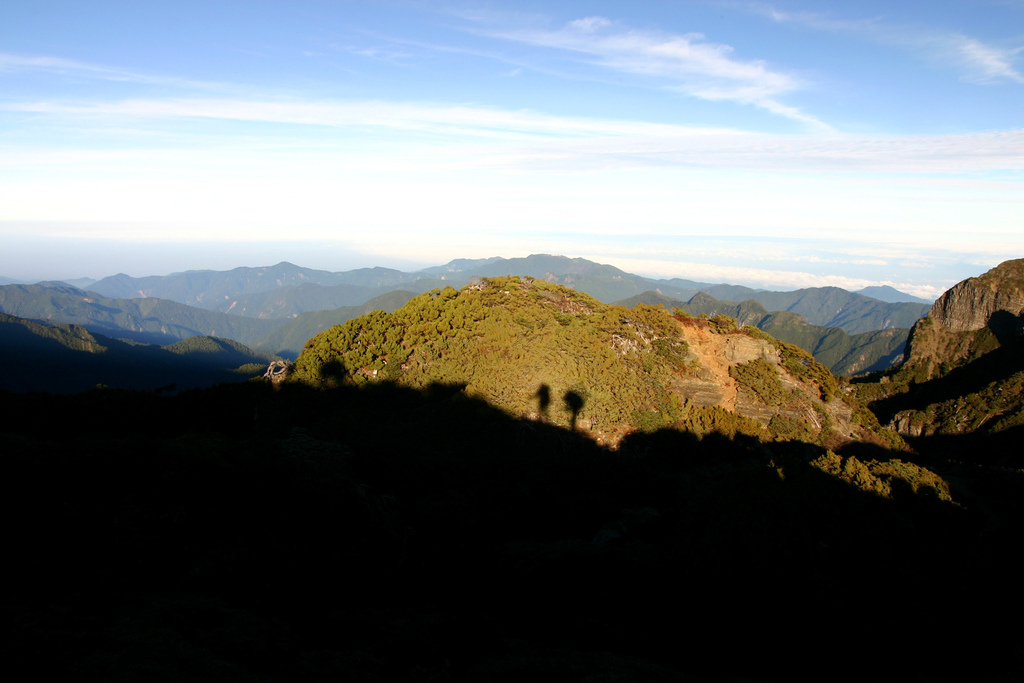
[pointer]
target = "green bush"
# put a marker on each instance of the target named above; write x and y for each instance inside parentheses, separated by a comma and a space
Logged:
(760, 377)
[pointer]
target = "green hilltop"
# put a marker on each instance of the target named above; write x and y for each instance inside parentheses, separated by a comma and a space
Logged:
(547, 352)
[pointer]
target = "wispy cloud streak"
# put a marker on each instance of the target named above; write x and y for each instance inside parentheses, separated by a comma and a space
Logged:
(496, 138)
(976, 60)
(688, 63)
(59, 65)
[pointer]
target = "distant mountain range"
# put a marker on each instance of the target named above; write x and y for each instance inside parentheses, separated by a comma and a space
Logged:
(285, 289)
(276, 309)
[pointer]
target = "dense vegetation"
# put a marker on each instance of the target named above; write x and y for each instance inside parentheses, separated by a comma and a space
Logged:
(538, 349)
(288, 339)
(983, 391)
(514, 341)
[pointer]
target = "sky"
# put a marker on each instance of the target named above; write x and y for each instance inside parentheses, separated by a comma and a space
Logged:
(777, 144)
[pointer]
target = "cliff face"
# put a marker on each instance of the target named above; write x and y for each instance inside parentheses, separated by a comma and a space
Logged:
(971, 304)
(993, 302)
(964, 368)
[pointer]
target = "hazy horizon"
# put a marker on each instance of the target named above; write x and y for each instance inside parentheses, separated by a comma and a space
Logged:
(326, 255)
(778, 145)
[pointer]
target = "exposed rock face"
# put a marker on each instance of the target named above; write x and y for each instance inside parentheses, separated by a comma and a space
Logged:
(993, 301)
(958, 343)
(740, 349)
(971, 304)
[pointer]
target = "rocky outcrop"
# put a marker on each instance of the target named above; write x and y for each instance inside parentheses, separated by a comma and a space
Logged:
(963, 321)
(743, 349)
(972, 304)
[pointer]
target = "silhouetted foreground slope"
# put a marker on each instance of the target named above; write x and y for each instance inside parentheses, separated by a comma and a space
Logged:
(69, 358)
(379, 534)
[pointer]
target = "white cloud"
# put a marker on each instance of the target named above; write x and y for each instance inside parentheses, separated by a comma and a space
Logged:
(984, 63)
(486, 137)
(451, 119)
(689, 63)
(976, 60)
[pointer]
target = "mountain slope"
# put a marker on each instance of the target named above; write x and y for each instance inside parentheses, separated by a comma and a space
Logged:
(842, 353)
(964, 365)
(288, 339)
(68, 358)
(835, 307)
(151, 321)
(891, 295)
(210, 289)
(289, 301)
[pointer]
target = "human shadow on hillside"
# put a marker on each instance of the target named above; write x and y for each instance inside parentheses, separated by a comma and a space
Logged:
(389, 533)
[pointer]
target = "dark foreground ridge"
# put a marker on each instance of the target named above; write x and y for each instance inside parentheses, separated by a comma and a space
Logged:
(390, 534)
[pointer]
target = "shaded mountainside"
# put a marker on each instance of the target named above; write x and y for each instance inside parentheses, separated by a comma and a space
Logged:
(545, 351)
(293, 301)
(843, 353)
(835, 307)
(386, 534)
(823, 306)
(68, 358)
(964, 366)
(289, 339)
(210, 288)
(289, 301)
(150, 321)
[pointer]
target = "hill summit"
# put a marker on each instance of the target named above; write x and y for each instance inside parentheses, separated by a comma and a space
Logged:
(547, 352)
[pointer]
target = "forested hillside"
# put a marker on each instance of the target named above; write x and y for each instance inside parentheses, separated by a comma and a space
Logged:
(543, 350)
(68, 358)
(150, 321)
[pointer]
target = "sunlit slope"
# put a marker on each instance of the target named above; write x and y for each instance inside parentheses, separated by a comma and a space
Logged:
(545, 351)
(843, 353)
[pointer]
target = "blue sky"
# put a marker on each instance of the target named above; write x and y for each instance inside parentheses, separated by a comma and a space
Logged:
(778, 145)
